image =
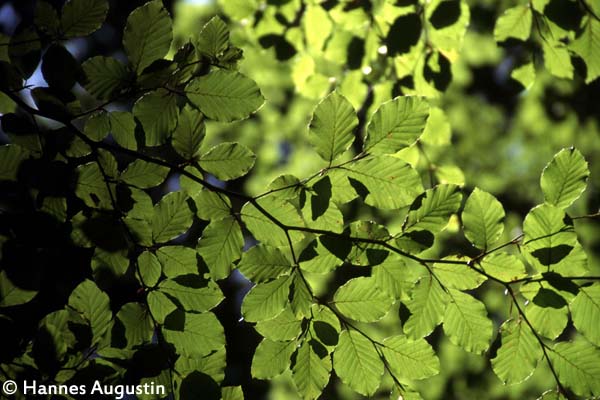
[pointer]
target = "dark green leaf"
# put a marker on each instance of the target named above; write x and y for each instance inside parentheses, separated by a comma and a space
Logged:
(158, 113)
(148, 34)
(82, 17)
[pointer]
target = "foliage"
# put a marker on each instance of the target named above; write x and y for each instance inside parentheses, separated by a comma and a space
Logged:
(160, 174)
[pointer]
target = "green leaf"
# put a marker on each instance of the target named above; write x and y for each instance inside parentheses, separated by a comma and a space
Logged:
(97, 126)
(177, 260)
(387, 182)
(318, 210)
(514, 23)
(458, 276)
(194, 335)
(311, 371)
(410, 359)
(122, 126)
(577, 366)
(149, 268)
(432, 209)
(519, 353)
(548, 320)
(105, 77)
(427, 306)
(466, 322)
(271, 358)
(585, 311)
(137, 323)
(232, 393)
(12, 156)
(525, 74)
(212, 206)
(396, 124)
(147, 35)
(46, 18)
(549, 239)
(213, 39)
(357, 363)
(220, 245)
(144, 175)
(11, 295)
(503, 266)
(189, 133)
(191, 293)
(265, 230)
(172, 217)
(225, 95)
(160, 306)
(316, 258)
(266, 300)
(564, 178)
(482, 219)
(228, 161)
(82, 17)
(557, 59)
(361, 300)
(331, 130)
(94, 306)
(91, 187)
(285, 326)
(587, 46)
(394, 277)
(301, 298)
(263, 263)
(158, 113)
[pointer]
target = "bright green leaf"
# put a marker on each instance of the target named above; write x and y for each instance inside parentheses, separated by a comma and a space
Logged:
(225, 95)
(514, 23)
(357, 363)
(172, 217)
(390, 183)
(427, 306)
(564, 178)
(271, 358)
(466, 322)
(144, 175)
(331, 130)
(482, 219)
(220, 245)
(519, 353)
(311, 371)
(410, 359)
(396, 124)
(360, 299)
(585, 311)
(228, 161)
(577, 366)
(266, 300)
(263, 263)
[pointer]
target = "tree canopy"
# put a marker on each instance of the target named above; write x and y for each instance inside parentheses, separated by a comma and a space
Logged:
(302, 199)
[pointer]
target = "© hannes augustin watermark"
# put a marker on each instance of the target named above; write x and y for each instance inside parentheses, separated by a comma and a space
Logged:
(33, 388)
